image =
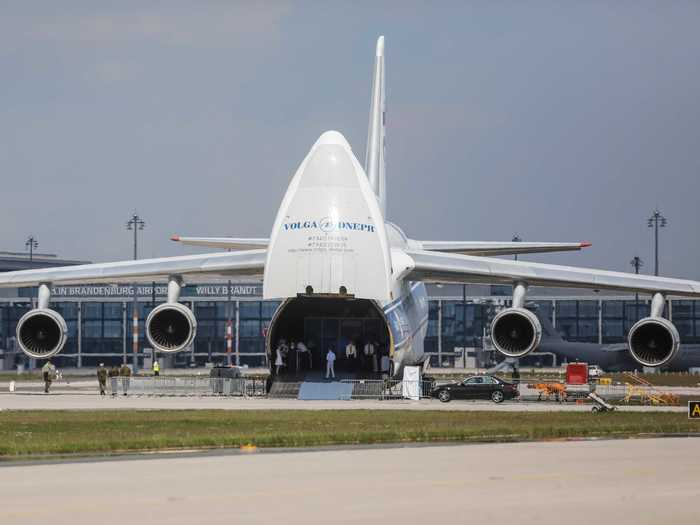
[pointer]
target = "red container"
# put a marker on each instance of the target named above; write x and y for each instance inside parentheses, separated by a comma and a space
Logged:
(577, 373)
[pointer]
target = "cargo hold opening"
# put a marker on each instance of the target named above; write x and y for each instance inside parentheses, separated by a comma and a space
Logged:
(328, 322)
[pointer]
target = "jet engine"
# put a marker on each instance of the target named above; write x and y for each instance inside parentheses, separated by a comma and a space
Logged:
(654, 341)
(171, 327)
(42, 333)
(515, 331)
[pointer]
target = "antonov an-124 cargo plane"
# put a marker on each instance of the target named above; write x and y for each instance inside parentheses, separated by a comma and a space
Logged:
(332, 252)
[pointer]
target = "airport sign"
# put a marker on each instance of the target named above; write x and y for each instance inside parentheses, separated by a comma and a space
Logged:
(693, 409)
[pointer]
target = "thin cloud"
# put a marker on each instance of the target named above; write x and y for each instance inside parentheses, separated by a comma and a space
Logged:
(244, 24)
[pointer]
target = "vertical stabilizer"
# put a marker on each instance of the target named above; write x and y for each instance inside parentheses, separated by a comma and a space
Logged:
(374, 159)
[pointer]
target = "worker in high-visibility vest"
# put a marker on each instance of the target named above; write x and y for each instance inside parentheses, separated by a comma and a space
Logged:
(156, 368)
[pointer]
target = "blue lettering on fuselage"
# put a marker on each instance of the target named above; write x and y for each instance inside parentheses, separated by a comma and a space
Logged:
(328, 225)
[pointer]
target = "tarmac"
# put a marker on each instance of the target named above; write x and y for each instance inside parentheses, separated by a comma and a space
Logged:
(642, 481)
(83, 401)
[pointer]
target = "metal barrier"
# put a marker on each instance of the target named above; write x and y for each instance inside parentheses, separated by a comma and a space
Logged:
(385, 389)
(188, 386)
(560, 391)
(611, 392)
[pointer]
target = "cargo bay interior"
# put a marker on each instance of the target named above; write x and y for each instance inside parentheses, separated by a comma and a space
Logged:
(324, 323)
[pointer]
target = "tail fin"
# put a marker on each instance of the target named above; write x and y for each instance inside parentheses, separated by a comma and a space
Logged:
(374, 159)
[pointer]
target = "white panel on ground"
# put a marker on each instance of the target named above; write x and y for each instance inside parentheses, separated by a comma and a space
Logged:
(411, 382)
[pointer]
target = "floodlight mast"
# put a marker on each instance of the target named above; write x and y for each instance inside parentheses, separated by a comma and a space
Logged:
(516, 238)
(637, 263)
(31, 244)
(136, 224)
(656, 221)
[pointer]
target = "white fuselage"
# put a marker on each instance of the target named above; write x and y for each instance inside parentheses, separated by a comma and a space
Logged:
(330, 239)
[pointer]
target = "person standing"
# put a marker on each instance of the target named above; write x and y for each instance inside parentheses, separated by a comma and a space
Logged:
(156, 368)
(330, 364)
(102, 378)
(303, 350)
(292, 356)
(125, 373)
(371, 355)
(314, 353)
(48, 372)
(351, 351)
(113, 376)
(351, 356)
(279, 357)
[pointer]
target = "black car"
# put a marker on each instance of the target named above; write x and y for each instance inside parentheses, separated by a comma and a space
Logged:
(476, 387)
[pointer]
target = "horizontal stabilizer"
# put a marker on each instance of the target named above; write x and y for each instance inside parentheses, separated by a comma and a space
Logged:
(488, 248)
(226, 243)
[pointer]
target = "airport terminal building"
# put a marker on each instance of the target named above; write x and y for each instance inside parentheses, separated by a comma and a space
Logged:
(99, 320)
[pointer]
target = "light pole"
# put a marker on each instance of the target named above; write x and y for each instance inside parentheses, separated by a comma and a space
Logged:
(656, 221)
(229, 326)
(516, 238)
(30, 245)
(136, 224)
(637, 263)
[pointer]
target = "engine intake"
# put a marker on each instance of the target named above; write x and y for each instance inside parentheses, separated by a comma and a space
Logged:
(171, 327)
(516, 332)
(42, 333)
(653, 341)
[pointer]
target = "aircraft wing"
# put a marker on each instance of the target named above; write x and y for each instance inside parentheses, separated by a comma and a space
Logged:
(451, 268)
(501, 248)
(228, 243)
(249, 263)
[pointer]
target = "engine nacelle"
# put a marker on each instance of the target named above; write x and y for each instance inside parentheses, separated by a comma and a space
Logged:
(653, 341)
(515, 332)
(42, 333)
(171, 327)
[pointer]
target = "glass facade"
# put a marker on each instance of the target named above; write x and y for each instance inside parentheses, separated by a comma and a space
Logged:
(459, 325)
(101, 330)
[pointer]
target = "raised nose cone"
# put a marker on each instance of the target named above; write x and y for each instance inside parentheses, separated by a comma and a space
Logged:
(332, 137)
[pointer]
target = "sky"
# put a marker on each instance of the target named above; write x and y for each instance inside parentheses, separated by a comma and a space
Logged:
(558, 121)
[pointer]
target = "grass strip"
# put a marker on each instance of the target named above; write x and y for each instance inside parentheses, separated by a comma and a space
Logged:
(27, 433)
